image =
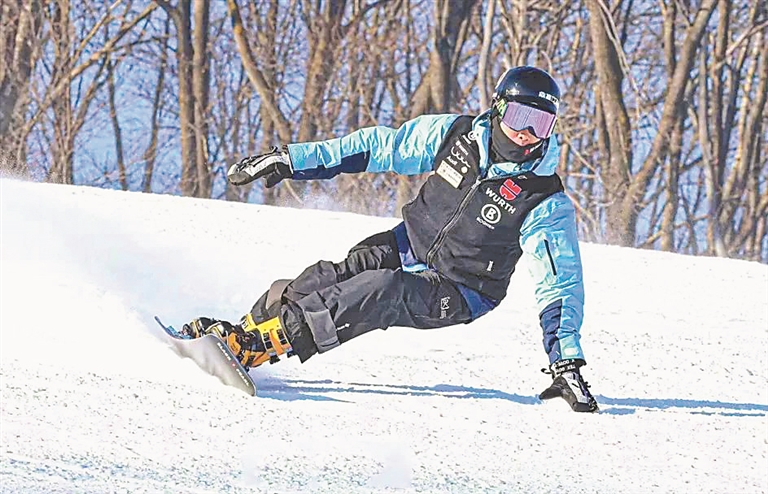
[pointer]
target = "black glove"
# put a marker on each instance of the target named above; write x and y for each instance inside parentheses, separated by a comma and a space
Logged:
(274, 166)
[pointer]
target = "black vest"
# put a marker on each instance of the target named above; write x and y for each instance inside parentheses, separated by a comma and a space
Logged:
(468, 227)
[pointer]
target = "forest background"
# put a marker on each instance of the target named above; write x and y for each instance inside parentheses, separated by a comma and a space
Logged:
(663, 125)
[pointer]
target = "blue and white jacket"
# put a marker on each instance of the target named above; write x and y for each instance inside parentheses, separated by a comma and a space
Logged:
(521, 203)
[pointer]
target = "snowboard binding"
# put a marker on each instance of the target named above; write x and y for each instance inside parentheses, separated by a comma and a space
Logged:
(263, 341)
(252, 343)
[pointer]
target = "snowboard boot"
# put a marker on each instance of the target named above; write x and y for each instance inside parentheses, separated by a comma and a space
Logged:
(568, 384)
(252, 343)
(260, 342)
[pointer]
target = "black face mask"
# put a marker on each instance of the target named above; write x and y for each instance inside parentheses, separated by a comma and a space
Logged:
(503, 149)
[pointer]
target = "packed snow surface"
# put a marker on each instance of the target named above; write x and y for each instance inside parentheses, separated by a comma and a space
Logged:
(94, 401)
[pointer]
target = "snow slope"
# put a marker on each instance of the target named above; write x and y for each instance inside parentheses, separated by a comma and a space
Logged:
(94, 402)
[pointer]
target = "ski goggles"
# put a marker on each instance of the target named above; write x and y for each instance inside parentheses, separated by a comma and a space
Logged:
(518, 116)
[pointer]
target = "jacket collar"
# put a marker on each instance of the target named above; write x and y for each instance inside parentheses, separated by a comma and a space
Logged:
(544, 166)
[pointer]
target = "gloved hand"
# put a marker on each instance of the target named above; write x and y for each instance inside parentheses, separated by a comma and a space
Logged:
(274, 165)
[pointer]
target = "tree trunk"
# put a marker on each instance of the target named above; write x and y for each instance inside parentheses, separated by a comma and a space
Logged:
(483, 70)
(61, 170)
(621, 216)
(150, 154)
(201, 89)
(118, 133)
(181, 15)
(673, 165)
(439, 85)
(674, 104)
(256, 76)
(20, 24)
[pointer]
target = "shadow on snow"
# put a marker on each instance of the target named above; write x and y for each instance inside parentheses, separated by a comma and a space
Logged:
(319, 390)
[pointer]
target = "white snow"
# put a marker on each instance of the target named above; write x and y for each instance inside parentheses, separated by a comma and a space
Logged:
(93, 401)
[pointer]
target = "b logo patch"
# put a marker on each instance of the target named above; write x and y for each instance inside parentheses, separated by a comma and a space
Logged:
(491, 213)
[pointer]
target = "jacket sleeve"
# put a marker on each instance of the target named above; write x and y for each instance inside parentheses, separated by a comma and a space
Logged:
(407, 150)
(551, 247)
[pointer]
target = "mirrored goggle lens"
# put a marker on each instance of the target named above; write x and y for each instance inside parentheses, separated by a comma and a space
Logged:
(520, 117)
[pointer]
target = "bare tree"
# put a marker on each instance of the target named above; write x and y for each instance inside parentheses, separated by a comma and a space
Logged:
(150, 153)
(662, 124)
(20, 26)
(57, 43)
(439, 88)
(732, 99)
(439, 85)
(193, 90)
(69, 74)
(613, 125)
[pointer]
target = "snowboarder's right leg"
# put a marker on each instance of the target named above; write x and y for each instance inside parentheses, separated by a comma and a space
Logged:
(326, 318)
(375, 299)
(259, 336)
(378, 251)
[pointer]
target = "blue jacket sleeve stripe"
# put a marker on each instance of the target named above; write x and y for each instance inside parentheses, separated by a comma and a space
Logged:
(354, 163)
(549, 240)
(407, 150)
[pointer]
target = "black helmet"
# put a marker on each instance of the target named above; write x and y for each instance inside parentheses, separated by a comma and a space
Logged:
(530, 86)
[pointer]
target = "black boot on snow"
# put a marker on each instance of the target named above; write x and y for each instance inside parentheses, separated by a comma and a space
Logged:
(568, 384)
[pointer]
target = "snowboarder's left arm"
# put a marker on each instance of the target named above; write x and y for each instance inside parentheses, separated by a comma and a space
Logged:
(549, 241)
(407, 150)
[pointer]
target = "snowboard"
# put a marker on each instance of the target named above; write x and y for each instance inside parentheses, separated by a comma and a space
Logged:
(212, 355)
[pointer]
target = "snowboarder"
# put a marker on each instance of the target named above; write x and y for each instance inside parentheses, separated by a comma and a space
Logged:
(492, 197)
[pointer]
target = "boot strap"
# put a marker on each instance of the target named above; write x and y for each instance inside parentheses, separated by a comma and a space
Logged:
(562, 366)
(272, 335)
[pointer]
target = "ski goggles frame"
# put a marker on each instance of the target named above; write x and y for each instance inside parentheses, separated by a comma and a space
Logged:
(519, 117)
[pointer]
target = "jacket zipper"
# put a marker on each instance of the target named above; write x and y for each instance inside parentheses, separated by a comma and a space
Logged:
(454, 218)
(551, 260)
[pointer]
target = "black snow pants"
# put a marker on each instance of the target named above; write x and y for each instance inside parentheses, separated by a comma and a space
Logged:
(331, 303)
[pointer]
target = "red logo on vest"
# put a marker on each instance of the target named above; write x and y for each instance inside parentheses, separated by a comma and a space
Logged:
(510, 190)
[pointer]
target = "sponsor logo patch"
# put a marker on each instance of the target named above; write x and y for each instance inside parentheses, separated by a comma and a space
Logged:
(444, 307)
(550, 97)
(455, 164)
(510, 190)
(449, 174)
(491, 213)
(500, 201)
